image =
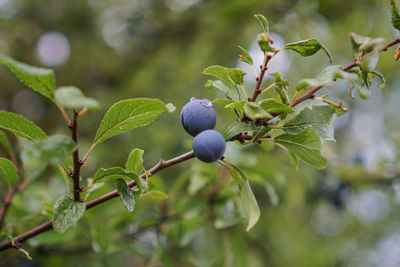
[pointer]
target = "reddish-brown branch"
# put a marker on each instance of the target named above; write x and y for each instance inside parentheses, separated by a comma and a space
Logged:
(6, 204)
(8, 200)
(310, 94)
(162, 164)
(77, 163)
(260, 78)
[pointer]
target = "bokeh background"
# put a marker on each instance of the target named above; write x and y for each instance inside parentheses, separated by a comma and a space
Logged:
(344, 215)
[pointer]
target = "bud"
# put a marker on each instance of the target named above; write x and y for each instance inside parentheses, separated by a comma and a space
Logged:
(264, 41)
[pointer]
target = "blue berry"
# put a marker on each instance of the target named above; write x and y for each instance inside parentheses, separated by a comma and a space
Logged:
(209, 146)
(198, 115)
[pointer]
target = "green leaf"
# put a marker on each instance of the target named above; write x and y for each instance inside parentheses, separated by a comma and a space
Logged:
(220, 85)
(247, 198)
(126, 195)
(219, 72)
(318, 117)
(306, 146)
(39, 79)
(222, 101)
(228, 215)
(279, 80)
(5, 142)
(271, 106)
(134, 163)
(237, 104)
(128, 114)
(236, 75)
(308, 48)
(20, 126)
(66, 213)
(245, 57)
(395, 15)
(114, 173)
(330, 74)
(263, 21)
(9, 172)
(260, 132)
(365, 44)
(53, 150)
(72, 97)
(237, 128)
(255, 111)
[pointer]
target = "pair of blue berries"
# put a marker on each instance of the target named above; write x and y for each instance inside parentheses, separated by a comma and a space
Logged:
(198, 118)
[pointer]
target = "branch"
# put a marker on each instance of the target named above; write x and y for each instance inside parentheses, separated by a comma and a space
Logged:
(310, 94)
(48, 225)
(264, 67)
(77, 163)
(7, 203)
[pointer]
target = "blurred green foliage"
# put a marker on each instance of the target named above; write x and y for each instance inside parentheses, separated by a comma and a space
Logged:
(344, 215)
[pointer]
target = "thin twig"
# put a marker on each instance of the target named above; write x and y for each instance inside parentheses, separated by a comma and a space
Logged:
(77, 163)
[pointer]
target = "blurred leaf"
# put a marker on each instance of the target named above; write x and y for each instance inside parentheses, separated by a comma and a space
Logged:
(249, 202)
(47, 210)
(395, 15)
(53, 150)
(5, 142)
(306, 146)
(156, 194)
(245, 57)
(331, 73)
(237, 128)
(66, 213)
(111, 174)
(134, 163)
(228, 215)
(236, 75)
(72, 97)
(370, 62)
(126, 195)
(268, 187)
(128, 114)
(255, 111)
(318, 117)
(39, 79)
(308, 48)
(365, 44)
(220, 73)
(9, 172)
(271, 106)
(263, 21)
(20, 126)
